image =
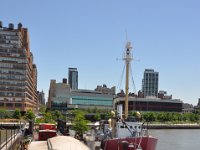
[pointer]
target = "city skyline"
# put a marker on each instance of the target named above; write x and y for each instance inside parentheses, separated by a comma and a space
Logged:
(90, 36)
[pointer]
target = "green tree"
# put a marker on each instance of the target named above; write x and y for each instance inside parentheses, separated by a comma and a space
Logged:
(193, 117)
(42, 109)
(30, 115)
(97, 117)
(150, 116)
(89, 110)
(95, 110)
(48, 118)
(79, 124)
(161, 117)
(17, 114)
(133, 113)
(2, 113)
(57, 114)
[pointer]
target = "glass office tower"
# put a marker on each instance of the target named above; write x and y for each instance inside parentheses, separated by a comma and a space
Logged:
(150, 83)
(73, 78)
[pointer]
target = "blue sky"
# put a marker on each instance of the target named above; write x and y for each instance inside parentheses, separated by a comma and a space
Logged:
(91, 35)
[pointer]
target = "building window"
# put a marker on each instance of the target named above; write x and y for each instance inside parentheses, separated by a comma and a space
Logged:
(18, 105)
(9, 104)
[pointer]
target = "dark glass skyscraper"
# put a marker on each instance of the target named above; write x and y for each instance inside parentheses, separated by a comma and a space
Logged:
(73, 78)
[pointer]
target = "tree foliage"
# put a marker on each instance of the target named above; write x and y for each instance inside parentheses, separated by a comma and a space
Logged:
(42, 109)
(79, 124)
(170, 117)
(17, 114)
(97, 117)
(29, 115)
(57, 114)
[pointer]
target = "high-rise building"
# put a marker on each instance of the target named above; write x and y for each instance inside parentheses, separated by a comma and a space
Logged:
(150, 83)
(18, 74)
(41, 98)
(73, 78)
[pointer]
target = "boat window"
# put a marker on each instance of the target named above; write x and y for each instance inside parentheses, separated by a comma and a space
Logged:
(123, 126)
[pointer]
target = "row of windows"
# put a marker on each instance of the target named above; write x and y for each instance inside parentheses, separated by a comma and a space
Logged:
(54, 104)
(11, 88)
(151, 74)
(9, 37)
(12, 66)
(11, 94)
(9, 45)
(12, 55)
(12, 77)
(9, 59)
(150, 82)
(12, 51)
(11, 99)
(18, 83)
(9, 41)
(154, 106)
(13, 71)
(150, 86)
(7, 33)
(11, 104)
(91, 102)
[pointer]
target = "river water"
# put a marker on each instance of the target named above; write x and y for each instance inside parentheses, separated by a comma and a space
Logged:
(177, 139)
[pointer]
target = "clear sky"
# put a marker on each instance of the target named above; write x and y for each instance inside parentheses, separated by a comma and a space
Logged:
(91, 35)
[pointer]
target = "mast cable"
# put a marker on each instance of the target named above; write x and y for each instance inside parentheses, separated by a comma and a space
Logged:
(133, 83)
(121, 78)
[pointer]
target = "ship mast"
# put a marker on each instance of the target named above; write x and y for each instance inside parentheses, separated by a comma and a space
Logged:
(127, 58)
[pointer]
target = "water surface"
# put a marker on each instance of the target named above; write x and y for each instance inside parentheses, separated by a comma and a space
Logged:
(177, 139)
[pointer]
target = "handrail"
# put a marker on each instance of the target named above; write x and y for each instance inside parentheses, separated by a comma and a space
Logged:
(9, 141)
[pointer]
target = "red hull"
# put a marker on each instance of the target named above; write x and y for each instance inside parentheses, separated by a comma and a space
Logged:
(146, 143)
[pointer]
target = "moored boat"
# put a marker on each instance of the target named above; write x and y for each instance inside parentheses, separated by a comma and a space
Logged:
(120, 132)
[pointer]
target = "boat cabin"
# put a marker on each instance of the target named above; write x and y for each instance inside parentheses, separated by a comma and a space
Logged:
(128, 129)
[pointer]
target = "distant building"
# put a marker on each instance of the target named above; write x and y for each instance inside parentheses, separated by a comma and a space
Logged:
(57, 98)
(198, 103)
(197, 107)
(41, 98)
(105, 90)
(150, 83)
(62, 97)
(140, 94)
(163, 95)
(150, 104)
(122, 94)
(73, 78)
(18, 73)
(188, 108)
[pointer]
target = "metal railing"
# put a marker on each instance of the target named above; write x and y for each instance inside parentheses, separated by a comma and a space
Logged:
(9, 138)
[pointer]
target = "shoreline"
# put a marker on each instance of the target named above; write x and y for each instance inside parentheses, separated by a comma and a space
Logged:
(172, 126)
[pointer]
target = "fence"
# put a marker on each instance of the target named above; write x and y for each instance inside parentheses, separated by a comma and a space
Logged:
(10, 139)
